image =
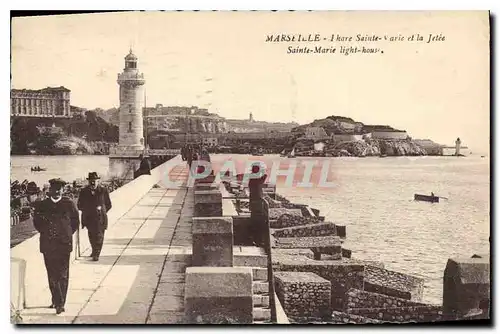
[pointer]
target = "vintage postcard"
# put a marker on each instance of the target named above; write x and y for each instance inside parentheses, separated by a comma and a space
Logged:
(259, 167)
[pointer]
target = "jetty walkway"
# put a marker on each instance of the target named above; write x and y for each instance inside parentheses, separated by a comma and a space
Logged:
(139, 278)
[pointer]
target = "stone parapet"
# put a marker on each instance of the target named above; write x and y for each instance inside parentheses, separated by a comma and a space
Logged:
(207, 203)
(212, 241)
(218, 295)
(303, 294)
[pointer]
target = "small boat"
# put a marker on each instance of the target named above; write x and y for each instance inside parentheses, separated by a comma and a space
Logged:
(427, 198)
(383, 155)
(292, 154)
(38, 169)
(282, 154)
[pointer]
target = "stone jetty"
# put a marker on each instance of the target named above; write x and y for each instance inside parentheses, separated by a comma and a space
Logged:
(183, 253)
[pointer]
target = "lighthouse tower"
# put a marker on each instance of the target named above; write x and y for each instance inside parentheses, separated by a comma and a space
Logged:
(131, 92)
(125, 158)
(458, 143)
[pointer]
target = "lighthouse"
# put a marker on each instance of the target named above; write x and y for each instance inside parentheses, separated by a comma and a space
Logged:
(131, 92)
(458, 143)
(124, 159)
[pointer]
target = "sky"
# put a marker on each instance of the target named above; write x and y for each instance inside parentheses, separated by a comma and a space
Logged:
(221, 60)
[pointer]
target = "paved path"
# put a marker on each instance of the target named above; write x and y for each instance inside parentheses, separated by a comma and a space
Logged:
(139, 278)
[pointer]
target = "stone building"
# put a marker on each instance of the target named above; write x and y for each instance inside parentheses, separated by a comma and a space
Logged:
(47, 102)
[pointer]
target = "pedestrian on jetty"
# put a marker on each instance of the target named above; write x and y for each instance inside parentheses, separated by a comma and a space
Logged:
(257, 215)
(94, 202)
(57, 219)
(189, 155)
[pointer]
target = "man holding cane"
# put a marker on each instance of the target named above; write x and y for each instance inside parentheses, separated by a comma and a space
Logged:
(94, 202)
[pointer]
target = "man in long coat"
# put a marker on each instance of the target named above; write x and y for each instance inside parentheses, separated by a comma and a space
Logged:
(56, 218)
(259, 227)
(94, 202)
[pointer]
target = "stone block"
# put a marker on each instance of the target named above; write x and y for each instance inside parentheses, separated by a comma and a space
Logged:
(319, 245)
(303, 294)
(216, 295)
(347, 318)
(466, 287)
(316, 230)
(346, 253)
(212, 241)
(393, 283)
(291, 220)
(341, 231)
(275, 213)
(207, 203)
(342, 274)
(364, 299)
(427, 313)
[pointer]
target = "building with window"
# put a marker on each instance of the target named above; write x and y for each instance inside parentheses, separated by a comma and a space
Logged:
(46, 102)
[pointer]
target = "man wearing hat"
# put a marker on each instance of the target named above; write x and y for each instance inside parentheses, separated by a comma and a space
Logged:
(56, 218)
(94, 202)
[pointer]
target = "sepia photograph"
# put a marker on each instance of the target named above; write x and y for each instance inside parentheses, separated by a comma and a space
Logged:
(250, 167)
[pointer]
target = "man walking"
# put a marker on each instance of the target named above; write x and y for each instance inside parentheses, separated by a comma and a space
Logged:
(56, 218)
(94, 202)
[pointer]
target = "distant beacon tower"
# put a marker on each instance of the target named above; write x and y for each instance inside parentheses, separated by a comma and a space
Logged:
(251, 117)
(457, 147)
(131, 92)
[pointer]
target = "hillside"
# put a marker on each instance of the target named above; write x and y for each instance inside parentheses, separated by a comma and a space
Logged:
(86, 134)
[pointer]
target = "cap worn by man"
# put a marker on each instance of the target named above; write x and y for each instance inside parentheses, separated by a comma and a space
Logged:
(57, 183)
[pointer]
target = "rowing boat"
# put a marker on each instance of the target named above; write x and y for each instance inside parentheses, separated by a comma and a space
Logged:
(426, 198)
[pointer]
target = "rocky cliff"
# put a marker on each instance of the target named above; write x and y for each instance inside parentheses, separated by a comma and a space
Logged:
(369, 147)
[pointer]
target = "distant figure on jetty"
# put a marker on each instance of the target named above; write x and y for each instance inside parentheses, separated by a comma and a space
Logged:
(183, 153)
(56, 218)
(94, 202)
(144, 167)
(257, 207)
(189, 155)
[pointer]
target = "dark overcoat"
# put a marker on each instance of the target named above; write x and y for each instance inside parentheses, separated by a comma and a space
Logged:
(88, 201)
(56, 223)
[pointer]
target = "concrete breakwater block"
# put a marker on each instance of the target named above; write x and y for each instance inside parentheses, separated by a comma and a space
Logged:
(207, 203)
(342, 274)
(316, 230)
(290, 220)
(212, 241)
(394, 284)
(347, 253)
(216, 295)
(466, 287)
(275, 213)
(319, 245)
(427, 313)
(303, 294)
(339, 317)
(364, 299)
